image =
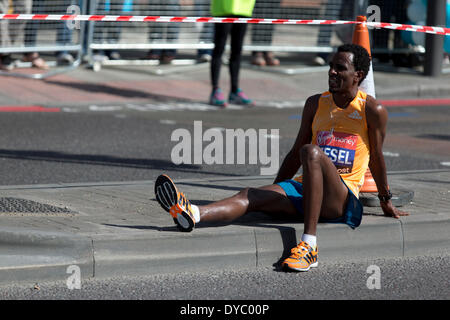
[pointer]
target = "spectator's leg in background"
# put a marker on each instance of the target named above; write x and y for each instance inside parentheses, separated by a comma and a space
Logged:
(63, 38)
(23, 27)
(155, 29)
(173, 30)
(6, 63)
(114, 29)
(17, 27)
(237, 96)
(262, 34)
(201, 9)
(332, 11)
(221, 31)
(4, 29)
(237, 40)
(101, 7)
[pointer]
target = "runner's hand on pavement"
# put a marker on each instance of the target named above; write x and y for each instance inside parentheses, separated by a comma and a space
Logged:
(390, 211)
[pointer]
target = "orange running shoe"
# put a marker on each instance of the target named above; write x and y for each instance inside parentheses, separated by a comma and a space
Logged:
(302, 258)
(175, 203)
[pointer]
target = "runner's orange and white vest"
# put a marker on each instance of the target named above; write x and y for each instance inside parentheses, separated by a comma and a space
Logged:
(342, 134)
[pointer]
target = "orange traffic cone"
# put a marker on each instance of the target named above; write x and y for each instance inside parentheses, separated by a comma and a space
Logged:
(361, 37)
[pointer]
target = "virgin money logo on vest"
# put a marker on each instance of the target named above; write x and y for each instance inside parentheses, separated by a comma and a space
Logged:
(337, 139)
(324, 138)
(339, 147)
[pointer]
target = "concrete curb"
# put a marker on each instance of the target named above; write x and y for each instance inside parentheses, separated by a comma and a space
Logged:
(40, 256)
(31, 255)
(422, 236)
(178, 252)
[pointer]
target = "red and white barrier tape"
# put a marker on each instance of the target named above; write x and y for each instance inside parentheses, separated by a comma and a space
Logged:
(59, 17)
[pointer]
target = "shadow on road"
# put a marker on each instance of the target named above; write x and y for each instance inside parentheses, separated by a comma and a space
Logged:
(113, 90)
(102, 160)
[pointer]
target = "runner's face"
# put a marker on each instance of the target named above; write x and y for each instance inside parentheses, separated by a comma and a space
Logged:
(342, 76)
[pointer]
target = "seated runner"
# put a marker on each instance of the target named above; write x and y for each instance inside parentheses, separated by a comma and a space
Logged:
(341, 135)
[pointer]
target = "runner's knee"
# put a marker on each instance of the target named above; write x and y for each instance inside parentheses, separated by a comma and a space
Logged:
(243, 193)
(310, 153)
(253, 198)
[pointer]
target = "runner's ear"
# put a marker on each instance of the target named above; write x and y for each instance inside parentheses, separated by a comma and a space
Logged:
(359, 75)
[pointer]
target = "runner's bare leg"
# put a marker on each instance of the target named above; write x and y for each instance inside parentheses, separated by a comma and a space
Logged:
(324, 193)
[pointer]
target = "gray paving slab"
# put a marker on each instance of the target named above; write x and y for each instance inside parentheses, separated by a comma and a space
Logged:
(118, 229)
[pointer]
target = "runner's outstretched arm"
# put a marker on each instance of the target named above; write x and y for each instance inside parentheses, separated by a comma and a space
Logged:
(377, 117)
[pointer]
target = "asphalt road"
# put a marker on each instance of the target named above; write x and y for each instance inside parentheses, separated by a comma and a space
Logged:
(123, 144)
(421, 278)
(89, 145)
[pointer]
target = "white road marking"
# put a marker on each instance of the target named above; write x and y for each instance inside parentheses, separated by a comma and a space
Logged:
(170, 122)
(180, 106)
(105, 108)
(391, 154)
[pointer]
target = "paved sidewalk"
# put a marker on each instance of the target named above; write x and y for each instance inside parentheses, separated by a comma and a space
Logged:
(287, 85)
(113, 229)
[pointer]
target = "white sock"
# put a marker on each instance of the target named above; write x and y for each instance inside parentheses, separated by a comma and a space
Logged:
(310, 239)
(196, 212)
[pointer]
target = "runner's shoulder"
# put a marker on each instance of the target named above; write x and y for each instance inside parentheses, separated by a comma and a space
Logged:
(373, 104)
(312, 103)
(375, 111)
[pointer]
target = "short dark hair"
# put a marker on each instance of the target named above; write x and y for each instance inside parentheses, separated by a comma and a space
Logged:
(361, 58)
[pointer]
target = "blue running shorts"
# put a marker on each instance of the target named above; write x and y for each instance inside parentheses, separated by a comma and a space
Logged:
(353, 212)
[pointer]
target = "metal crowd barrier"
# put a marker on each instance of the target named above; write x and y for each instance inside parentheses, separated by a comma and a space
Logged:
(21, 38)
(105, 43)
(106, 40)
